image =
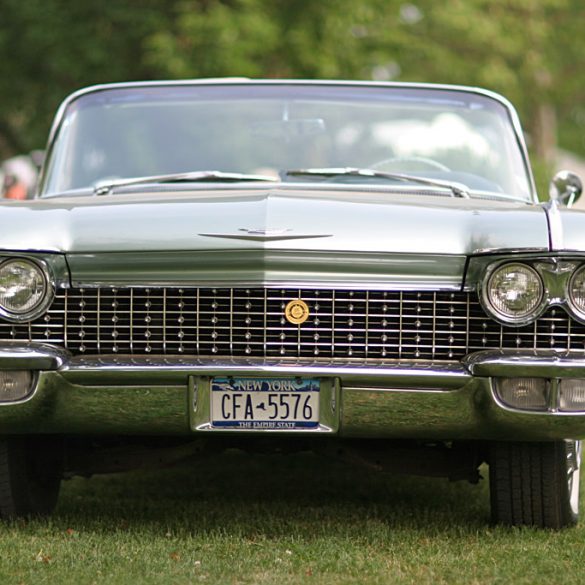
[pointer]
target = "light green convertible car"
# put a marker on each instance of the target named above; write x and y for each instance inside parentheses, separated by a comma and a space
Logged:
(358, 269)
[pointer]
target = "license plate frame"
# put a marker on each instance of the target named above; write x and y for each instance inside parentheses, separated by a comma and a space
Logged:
(202, 417)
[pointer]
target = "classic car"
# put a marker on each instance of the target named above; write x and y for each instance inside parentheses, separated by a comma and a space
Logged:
(359, 269)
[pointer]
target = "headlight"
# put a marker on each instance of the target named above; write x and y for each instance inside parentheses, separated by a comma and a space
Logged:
(577, 291)
(23, 289)
(514, 293)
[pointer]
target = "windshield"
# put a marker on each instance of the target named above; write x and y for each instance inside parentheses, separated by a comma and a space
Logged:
(269, 129)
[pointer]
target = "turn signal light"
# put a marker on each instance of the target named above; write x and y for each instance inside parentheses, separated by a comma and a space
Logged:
(572, 395)
(524, 393)
(15, 385)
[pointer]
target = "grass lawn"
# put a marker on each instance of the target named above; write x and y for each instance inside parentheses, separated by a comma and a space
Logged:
(268, 519)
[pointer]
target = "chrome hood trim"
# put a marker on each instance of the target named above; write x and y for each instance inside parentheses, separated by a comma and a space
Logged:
(306, 269)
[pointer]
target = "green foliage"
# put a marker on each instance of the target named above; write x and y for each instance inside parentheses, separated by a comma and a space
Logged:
(57, 46)
(526, 49)
(543, 173)
(214, 39)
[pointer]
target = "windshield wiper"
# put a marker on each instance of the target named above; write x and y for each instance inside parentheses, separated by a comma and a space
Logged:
(457, 189)
(105, 187)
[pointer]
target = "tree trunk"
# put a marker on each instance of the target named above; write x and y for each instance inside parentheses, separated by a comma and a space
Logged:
(544, 133)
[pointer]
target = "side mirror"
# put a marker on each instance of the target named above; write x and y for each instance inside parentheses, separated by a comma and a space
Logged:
(565, 188)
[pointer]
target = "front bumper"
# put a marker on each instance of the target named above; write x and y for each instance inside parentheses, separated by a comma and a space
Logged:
(170, 396)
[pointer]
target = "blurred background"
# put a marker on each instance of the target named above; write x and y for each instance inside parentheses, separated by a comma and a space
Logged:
(531, 51)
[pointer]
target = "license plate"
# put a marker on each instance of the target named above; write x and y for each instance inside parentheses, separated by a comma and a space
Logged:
(264, 403)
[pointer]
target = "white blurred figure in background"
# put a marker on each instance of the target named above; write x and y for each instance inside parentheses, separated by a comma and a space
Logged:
(19, 177)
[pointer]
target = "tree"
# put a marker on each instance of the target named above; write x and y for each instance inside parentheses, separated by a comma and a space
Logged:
(54, 47)
(525, 49)
(517, 47)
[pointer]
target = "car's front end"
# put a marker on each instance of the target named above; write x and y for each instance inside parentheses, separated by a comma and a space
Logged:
(400, 362)
(404, 306)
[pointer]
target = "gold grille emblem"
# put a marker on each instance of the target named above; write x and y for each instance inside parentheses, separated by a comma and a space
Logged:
(296, 312)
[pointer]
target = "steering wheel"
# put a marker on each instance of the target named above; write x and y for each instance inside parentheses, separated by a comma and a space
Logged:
(409, 160)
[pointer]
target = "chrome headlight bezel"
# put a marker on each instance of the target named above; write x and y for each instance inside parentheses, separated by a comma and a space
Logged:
(526, 317)
(44, 300)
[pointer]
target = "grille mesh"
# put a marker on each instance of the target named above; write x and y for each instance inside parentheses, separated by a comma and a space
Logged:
(251, 322)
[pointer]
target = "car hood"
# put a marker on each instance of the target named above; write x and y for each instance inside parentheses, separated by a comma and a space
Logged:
(252, 223)
(197, 220)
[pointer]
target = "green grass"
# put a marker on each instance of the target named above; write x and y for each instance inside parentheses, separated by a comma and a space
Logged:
(297, 519)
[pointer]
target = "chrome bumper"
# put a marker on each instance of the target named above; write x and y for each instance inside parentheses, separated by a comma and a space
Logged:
(169, 396)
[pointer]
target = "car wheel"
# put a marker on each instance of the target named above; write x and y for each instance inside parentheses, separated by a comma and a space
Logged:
(30, 476)
(535, 484)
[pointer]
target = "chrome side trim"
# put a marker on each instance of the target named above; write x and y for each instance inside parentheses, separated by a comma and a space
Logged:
(538, 363)
(110, 370)
(510, 251)
(555, 225)
(32, 356)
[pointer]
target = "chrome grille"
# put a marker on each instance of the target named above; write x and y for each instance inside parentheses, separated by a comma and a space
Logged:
(251, 322)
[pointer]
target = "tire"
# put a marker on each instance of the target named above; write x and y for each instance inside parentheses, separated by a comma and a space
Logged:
(30, 476)
(535, 484)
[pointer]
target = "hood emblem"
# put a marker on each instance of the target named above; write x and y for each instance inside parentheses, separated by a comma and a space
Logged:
(296, 312)
(263, 235)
